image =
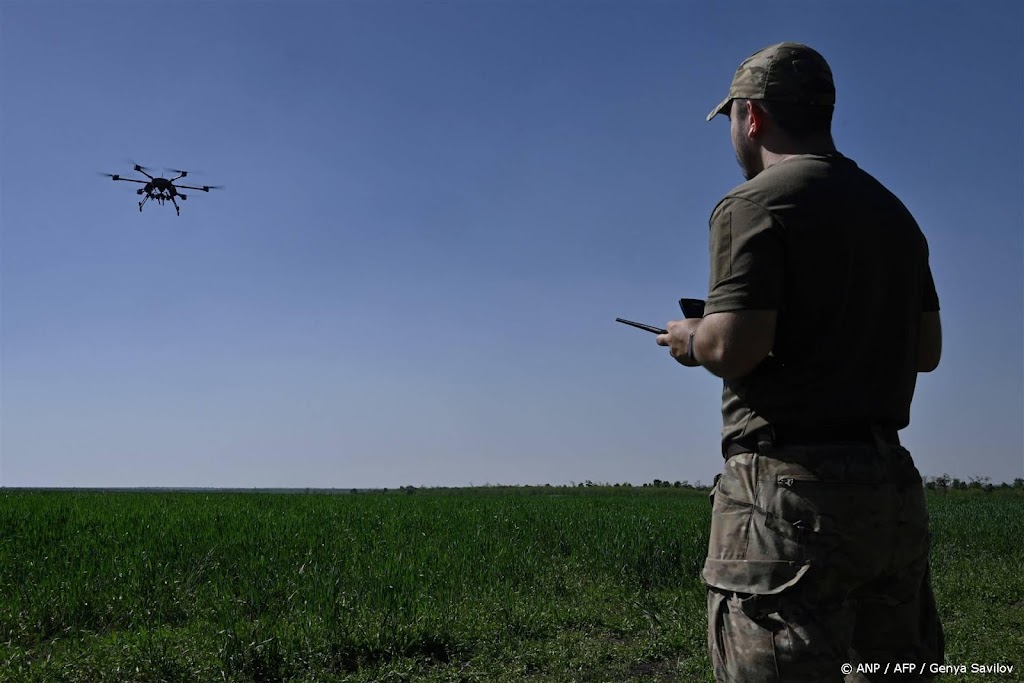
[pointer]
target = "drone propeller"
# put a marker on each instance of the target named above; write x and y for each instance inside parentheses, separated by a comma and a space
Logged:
(201, 188)
(179, 172)
(139, 167)
(110, 175)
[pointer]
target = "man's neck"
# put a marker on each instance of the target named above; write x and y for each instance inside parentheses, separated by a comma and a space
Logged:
(770, 158)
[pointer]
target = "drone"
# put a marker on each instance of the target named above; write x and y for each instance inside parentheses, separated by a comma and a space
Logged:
(162, 189)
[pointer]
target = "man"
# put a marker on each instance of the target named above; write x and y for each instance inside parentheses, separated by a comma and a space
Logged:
(820, 314)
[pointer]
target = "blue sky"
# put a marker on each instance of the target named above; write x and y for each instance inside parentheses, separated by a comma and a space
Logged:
(433, 213)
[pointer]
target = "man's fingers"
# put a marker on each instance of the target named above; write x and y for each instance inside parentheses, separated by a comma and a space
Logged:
(662, 339)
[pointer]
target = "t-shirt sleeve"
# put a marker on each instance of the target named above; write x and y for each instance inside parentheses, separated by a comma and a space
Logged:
(746, 258)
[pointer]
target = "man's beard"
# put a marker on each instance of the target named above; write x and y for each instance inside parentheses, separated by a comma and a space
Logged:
(749, 160)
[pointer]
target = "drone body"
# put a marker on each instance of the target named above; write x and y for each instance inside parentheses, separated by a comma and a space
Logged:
(162, 189)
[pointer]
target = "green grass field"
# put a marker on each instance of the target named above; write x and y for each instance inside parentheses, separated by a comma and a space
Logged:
(589, 585)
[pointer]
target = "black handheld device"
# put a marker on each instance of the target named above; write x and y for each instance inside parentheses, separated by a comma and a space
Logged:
(649, 328)
(692, 308)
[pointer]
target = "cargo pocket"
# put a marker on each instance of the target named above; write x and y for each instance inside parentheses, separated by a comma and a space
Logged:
(754, 548)
(755, 577)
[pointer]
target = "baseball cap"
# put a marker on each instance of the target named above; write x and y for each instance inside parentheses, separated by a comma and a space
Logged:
(785, 72)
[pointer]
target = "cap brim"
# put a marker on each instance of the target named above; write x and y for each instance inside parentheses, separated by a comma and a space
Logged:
(722, 108)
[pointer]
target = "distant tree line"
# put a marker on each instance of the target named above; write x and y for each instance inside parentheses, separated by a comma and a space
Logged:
(944, 483)
(656, 484)
(538, 488)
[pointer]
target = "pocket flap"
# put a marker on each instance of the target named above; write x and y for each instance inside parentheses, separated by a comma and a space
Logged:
(758, 577)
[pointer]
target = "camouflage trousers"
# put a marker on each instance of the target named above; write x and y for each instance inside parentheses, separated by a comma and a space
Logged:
(818, 557)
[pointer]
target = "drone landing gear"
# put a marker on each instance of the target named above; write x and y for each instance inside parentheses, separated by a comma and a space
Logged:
(177, 209)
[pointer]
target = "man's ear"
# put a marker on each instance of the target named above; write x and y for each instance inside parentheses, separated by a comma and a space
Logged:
(755, 119)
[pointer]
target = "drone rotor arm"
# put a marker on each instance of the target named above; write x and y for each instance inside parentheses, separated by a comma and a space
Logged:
(204, 188)
(114, 176)
(144, 171)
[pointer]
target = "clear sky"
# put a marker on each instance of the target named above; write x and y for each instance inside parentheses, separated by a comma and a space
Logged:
(433, 213)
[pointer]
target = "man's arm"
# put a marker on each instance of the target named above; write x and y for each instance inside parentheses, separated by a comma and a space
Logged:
(746, 287)
(729, 344)
(929, 345)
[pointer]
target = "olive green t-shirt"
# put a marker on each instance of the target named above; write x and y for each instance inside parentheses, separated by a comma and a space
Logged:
(846, 266)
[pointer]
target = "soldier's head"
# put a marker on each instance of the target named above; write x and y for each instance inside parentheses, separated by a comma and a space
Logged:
(781, 99)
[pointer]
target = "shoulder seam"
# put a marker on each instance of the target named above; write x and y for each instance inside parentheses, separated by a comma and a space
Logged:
(768, 211)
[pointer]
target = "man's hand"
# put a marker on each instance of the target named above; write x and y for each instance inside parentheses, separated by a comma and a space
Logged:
(678, 339)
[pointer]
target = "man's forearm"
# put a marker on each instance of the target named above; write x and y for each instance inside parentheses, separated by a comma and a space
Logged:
(710, 352)
(731, 345)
